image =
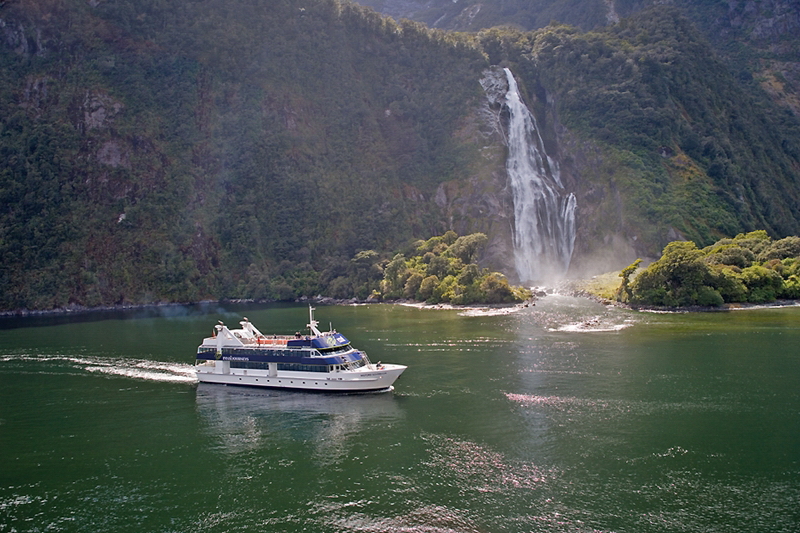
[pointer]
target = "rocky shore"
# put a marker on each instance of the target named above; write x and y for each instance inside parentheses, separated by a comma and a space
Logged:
(569, 289)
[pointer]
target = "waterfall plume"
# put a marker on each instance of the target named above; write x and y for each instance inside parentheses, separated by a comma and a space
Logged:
(544, 212)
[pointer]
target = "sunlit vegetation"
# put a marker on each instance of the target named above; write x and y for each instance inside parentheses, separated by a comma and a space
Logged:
(173, 150)
(750, 267)
(444, 269)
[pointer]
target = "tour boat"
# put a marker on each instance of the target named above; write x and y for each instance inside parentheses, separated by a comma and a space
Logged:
(320, 361)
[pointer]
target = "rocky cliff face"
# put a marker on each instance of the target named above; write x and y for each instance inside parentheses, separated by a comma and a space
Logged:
(22, 42)
(606, 240)
(484, 202)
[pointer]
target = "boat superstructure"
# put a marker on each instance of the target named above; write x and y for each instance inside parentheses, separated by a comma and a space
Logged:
(321, 361)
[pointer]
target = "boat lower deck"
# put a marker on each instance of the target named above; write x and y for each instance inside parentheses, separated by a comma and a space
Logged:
(373, 380)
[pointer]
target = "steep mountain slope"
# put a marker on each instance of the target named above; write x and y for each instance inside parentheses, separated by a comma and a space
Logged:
(685, 149)
(159, 150)
(725, 112)
(162, 150)
(758, 38)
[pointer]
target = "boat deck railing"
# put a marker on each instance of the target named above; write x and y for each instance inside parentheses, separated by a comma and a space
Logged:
(270, 340)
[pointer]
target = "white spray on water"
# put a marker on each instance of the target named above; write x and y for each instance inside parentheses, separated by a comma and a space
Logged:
(544, 213)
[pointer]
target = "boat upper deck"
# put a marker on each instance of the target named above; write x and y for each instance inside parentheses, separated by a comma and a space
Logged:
(250, 336)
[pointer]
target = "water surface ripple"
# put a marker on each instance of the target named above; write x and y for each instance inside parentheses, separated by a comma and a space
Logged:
(563, 417)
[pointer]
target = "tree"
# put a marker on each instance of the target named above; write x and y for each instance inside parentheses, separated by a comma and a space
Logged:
(763, 284)
(439, 266)
(781, 249)
(678, 278)
(726, 271)
(412, 285)
(624, 291)
(496, 288)
(467, 247)
(365, 272)
(730, 254)
(729, 284)
(427, 287)
(394, 277)
(755, 241)
(442, 269)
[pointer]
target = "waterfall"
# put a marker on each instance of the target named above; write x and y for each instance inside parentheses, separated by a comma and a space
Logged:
(544, 213)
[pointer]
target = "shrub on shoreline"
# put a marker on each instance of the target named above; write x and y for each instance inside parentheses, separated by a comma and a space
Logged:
(750, 267)
(443, 269)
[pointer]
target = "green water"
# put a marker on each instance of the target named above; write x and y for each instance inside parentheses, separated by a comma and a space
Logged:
(564, 417)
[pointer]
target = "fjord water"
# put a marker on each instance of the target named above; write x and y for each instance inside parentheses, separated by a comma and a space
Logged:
(563, 417)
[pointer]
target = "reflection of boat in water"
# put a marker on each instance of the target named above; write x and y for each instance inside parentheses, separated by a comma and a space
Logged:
(248, 401)
(245, 418)
(321, 361)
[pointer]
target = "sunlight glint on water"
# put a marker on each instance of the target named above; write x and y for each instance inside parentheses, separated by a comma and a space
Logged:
(563, 417)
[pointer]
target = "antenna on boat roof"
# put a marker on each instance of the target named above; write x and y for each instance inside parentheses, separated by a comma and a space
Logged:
(312, 324)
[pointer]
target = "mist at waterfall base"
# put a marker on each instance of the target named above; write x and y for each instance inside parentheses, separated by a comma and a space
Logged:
(544, 213)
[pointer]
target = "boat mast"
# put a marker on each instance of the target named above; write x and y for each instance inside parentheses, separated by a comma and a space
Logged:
(312, 324)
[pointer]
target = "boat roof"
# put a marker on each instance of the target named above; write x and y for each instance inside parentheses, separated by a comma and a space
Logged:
(249, 335)
(323, 342)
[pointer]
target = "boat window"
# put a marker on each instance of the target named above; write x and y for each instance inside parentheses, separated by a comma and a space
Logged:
(295, 367)
(336, 350)
(299, 367)
(353, 365)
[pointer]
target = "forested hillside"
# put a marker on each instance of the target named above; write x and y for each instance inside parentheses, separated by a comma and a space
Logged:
(688, 149)
(179, 150)
(758, 38)
(184, 150)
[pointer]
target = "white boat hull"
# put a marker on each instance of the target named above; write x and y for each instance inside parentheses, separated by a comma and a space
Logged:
(362, 380)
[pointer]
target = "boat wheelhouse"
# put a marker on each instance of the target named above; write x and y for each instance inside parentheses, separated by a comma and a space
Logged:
(320, 361)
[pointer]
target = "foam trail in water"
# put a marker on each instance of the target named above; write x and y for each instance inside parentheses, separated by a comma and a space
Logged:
(132, 368)
(148, 370)
(544, 214)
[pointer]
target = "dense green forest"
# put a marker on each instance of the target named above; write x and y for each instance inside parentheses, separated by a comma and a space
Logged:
(444, 269)
(159, 151)
(686, 146)
(759, 40)
(750, 267)
(178, 151)
(441, 269)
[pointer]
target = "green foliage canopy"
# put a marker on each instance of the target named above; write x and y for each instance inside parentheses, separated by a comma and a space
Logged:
(442, 269)
(725, 272)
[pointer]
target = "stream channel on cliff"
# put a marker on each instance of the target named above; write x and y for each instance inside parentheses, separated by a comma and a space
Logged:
(567, 416)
